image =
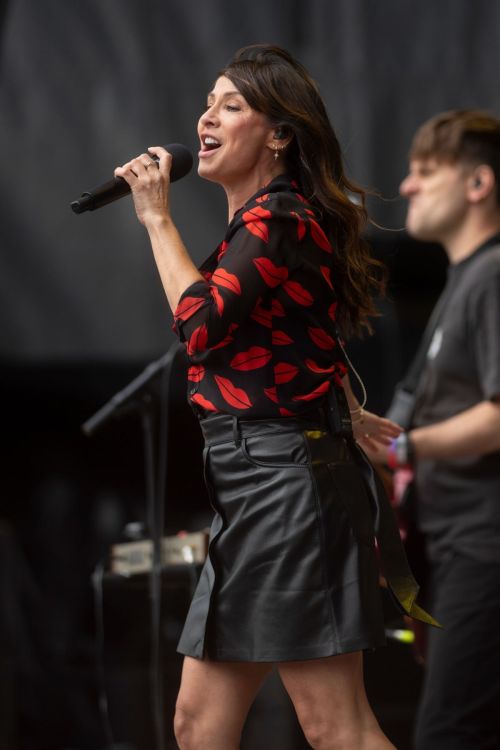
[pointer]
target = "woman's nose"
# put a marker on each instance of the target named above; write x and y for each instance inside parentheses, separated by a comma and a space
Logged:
(209, 116)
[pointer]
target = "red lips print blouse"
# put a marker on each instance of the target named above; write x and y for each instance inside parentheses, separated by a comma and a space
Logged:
(260, 329)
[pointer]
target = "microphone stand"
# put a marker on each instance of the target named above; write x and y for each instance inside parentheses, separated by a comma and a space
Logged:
(139, 396)
(136, 396)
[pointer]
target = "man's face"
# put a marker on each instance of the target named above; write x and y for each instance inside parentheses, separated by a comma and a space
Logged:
(437, 199)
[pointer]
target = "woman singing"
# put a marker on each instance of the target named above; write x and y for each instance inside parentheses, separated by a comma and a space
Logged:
(291, 579)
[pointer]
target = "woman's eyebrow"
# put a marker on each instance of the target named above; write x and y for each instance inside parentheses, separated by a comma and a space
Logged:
(211, 94)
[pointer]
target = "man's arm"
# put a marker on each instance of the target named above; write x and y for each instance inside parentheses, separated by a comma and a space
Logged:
(474, 432)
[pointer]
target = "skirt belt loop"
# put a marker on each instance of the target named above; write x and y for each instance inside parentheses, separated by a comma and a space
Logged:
(236, 431)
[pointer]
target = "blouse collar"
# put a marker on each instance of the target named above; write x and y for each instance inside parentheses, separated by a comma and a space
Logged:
(283, 183)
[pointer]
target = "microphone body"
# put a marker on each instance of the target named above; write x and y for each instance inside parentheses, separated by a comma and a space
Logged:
(182, 161)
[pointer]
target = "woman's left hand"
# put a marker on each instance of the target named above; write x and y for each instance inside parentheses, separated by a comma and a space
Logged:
(375, 433)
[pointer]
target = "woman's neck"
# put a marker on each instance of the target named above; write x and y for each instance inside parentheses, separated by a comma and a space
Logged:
(238, 195)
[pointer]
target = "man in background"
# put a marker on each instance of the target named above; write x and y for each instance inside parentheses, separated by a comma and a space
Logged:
(453, 440)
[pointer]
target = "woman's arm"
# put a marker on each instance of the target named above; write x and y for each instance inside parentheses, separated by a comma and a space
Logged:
(150, 191)
(369, 430)
(177, 270)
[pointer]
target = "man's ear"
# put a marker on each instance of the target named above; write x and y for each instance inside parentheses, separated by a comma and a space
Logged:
(480, 183)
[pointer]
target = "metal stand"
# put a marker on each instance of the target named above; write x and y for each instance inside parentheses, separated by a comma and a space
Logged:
(141, 396)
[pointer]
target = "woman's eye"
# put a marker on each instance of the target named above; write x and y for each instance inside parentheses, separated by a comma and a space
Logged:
(229, 107)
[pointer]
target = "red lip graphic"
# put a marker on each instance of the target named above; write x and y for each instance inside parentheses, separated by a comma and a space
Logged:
(252, 359)
(196, 373)
(218, 299)
(280, 338)
(261, 315)
(326, 275)
(234, 396)
(228, 339)
(204, 402)
(188, 306)
(272, 274)
(255, 225)
(198, 340)
(284, 372)
(301, 227)
(321, 338)
(222, 249)
(271, 394)
(227, 280)
(311, 364)
(319, 391)
(297, 292)
(277, 308)
(319, 236)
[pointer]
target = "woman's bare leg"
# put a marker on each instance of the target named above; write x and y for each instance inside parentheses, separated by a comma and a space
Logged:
(331, 704)
(213, 702)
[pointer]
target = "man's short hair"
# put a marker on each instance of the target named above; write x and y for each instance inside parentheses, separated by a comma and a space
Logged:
(469, 136)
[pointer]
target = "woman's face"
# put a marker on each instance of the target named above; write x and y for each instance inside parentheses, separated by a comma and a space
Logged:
(236, 140)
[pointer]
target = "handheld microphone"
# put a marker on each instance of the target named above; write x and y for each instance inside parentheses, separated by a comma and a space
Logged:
(182, 161)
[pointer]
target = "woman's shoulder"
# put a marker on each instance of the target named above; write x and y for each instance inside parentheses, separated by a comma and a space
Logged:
(280, 199)
(281, 192)
(280, 213)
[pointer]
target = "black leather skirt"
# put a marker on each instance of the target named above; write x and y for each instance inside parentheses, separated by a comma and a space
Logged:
(292, 570)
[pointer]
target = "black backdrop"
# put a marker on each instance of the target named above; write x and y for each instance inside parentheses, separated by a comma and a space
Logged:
(84, 86)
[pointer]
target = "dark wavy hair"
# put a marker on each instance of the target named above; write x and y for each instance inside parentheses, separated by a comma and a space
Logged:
(274, 83)
(469, 136)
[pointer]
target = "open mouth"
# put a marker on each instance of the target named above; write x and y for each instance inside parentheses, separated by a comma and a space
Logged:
(210, 143)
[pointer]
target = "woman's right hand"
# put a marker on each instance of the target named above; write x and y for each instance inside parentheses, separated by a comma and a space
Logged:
(150, 184)
(375, 433)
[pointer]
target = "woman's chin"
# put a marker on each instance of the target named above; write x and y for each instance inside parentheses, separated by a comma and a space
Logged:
(206, 172)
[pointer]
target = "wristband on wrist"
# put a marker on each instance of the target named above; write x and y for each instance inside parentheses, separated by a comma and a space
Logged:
(401, 452)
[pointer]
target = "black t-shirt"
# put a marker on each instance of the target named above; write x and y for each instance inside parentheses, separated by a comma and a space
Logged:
(459, 499)
(260, 330)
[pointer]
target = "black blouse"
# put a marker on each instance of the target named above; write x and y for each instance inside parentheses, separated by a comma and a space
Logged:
(260, 329)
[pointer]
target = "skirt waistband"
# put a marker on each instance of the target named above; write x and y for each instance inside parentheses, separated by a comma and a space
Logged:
(331, 415)
(225, 428)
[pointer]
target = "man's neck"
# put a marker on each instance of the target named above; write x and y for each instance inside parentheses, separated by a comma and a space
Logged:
(466, 242)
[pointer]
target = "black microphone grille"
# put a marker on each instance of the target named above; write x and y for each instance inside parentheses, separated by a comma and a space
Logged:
(182, 160)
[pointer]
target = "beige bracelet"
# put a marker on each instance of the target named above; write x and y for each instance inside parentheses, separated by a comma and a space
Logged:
(357, 415)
